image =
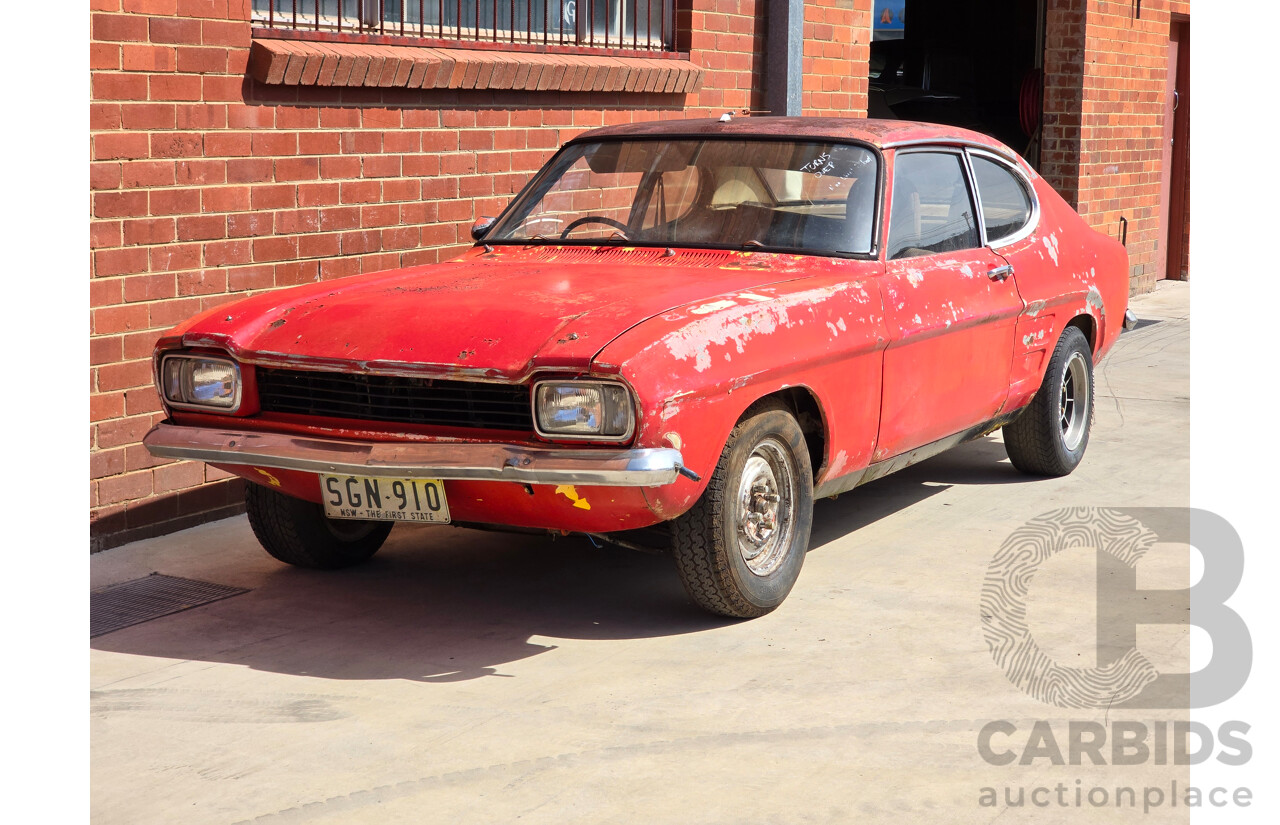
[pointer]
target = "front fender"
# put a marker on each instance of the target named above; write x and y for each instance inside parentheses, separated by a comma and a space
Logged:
(698, 368)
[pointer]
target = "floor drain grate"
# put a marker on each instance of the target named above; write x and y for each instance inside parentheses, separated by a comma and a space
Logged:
(141, 600)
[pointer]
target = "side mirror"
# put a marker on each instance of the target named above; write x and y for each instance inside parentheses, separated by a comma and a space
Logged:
(481, 227)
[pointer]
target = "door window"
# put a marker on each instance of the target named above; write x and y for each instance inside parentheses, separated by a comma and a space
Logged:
(932, 211)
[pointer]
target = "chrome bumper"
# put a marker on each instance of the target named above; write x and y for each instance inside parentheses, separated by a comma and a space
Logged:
(1130, 320)
(443, 460)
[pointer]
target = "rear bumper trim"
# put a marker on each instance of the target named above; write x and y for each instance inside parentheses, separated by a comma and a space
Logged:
(652, 467)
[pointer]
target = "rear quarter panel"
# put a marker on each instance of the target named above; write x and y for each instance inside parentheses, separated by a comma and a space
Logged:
(1064, 270)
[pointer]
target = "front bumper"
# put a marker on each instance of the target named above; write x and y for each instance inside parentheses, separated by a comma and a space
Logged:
(651, 467)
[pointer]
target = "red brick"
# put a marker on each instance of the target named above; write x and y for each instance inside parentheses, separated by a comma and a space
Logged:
(104, 463)
(204, 282)
(355, 243)
(228, 253)
(104, 176)
(249, 170)
(230, 144)
(173, 257)
(401, 190)
(275, 144)
(360, 192)
(147, 173)
(225, 33)
(105, 292)
(122, 431)
(118, 27)
(200, 172)
(174, 30)
(119, 86)
(114, 320)
(245, 278)
(141, 58)
(147, 116)
(201, 60)
(319, 143)
(347, 217)
(148, 231)
(119, 204)
(225, 199)
(292, 222)
(104, 56)
(295, 169)
(103, 406)
(340, 166)
(175, 87)
(381, 166)
(318, 194)
(201, 228)
(318, 246)
(126, 487)
(273, 197)
(274, 249)
(167, 313)
(297, 272)
(248, 224)
(103, 234)
(106, 349)
(216, 87)
(177, 145)
(201, 116)
(175, 201)
(156, 7)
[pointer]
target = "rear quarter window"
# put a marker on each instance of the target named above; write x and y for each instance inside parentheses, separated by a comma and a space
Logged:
(1006, 204)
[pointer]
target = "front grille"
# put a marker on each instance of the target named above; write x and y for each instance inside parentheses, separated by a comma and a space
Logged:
(394, 399)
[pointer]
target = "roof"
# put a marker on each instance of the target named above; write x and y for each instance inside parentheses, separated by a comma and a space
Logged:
(882, 134)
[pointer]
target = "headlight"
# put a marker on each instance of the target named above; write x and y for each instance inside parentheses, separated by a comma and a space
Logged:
(583, 409)
(200, 381)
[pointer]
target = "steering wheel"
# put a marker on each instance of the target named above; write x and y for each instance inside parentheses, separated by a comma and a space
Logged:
(621, 227)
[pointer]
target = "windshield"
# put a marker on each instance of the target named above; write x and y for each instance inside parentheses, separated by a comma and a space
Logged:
(725, 193)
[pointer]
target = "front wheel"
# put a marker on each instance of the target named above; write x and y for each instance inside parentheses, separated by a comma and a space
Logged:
(298, 532)
(740, 548)
(1050, 436)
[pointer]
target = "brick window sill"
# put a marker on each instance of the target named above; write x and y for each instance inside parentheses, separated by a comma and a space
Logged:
(318, 63)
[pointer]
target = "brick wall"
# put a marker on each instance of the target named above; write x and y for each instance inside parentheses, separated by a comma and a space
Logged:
(1104, 113)
(208, 185)
(837, 46)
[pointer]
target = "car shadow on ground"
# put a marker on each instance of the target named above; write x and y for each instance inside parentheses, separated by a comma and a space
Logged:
(445, 604)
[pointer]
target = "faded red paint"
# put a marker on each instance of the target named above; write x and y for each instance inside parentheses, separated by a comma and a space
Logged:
(896, 354)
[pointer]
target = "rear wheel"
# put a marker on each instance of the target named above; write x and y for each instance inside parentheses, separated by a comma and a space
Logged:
(1050, 436)
(298, 532)
(740, 548)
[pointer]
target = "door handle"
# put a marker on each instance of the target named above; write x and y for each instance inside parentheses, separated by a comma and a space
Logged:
(1000, 272)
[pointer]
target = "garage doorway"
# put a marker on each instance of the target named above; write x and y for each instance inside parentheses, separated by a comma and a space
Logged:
(976, 65)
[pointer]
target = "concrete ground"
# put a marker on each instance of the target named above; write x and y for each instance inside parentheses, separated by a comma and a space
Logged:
(467, 676)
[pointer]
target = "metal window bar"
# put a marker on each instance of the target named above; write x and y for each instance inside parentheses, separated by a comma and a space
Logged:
(640, 25)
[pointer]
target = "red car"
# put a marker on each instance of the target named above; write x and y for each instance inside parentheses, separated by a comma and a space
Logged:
(679, 334)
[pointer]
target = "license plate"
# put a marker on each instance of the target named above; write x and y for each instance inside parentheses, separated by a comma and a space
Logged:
(385, 499)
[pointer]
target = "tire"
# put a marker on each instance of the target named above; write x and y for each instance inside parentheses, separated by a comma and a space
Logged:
(297, 532)
(1050, 437)
(736, 566)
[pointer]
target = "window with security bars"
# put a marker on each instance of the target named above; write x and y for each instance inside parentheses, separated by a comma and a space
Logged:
(644, 25)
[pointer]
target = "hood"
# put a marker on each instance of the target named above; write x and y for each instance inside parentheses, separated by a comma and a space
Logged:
(497, 315)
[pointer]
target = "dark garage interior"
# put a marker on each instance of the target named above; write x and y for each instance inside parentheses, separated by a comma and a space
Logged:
(975, 65)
